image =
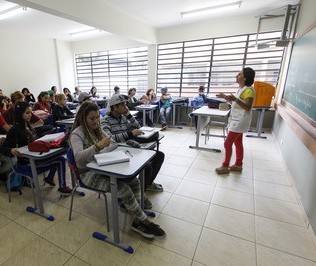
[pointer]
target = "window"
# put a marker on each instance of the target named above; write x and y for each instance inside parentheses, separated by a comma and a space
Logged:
(125, 68)
(214, 63)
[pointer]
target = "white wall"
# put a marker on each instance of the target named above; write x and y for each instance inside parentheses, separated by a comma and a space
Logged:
(27, 62)
(300, 162)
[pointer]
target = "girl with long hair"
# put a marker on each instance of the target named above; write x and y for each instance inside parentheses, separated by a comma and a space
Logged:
(87, 139)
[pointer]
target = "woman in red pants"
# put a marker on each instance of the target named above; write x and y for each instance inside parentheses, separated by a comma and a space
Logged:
(240, 119)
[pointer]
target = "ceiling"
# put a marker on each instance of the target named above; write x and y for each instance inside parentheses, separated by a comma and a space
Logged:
(155, 13)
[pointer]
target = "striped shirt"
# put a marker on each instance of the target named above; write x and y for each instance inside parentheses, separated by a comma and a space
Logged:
(120, 129)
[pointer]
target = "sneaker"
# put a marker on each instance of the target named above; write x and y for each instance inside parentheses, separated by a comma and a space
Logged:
(147, 204)
(154, 187)
(222, 170)
(163, 127)
(50, 181)
(64, 190)
(235, 168)
(148, 229)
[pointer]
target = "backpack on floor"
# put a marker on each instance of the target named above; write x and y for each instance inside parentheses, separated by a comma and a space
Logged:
(16, 182)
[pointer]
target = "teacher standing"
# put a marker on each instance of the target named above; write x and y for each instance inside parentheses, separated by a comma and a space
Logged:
(240, 119)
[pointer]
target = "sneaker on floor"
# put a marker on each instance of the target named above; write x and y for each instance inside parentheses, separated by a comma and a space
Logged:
(235, 168)
(49, 181)
(64, 190)
(222, 170)
(148, 229)
(147, 204)
(163, 127)
(155, 187)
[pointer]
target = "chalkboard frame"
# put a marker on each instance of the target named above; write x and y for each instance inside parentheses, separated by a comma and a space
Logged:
(300, 122)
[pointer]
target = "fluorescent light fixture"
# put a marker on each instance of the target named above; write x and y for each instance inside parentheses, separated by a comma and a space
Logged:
(84, 33)
(211, 9)
(10, 12)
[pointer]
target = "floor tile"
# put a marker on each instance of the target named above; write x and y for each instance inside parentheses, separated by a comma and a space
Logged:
(195, 190)
(71, 235)
(187, 209)
(182, 237)
(232, 222)
(233, 199)
(279, 210)
(285, 237)
(216, 248)
(267, 257)
(201, 176)
(149, 254)
(236, 183)
(272, 177)
(275, 191)
(51, 254)
(13, 237)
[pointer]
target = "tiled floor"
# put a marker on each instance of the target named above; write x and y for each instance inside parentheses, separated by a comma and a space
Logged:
(253, 218)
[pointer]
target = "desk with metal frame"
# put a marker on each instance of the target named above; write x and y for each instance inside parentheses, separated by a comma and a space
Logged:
(146, 108)
(66, 122)
(260, 119)
(139, 160)
(205, 111)
(45, 157)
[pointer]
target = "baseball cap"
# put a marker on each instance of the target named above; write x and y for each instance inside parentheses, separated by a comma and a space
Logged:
(83, 96)
(117, 99)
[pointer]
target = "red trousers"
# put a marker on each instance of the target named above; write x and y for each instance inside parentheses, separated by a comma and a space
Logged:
(233, 138)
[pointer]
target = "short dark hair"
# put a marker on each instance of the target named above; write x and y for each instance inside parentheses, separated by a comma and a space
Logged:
(249, 75)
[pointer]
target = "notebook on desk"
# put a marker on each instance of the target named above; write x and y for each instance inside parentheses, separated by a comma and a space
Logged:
(51, 137)
(111, 158)
(148, 132)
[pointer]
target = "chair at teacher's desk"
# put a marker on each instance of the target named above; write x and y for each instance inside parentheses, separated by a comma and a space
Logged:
(77, 182)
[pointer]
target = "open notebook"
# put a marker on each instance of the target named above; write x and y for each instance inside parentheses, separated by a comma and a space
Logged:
(111, 158)
(148, 132)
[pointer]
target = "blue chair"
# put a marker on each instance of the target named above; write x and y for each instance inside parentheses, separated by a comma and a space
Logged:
(77, 182)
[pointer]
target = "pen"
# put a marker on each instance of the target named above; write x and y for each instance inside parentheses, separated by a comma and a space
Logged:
(128, 152)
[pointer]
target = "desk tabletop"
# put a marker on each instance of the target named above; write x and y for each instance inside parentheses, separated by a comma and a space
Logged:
(146, 107)
(40, 155)
(126, 169)
(204, 110)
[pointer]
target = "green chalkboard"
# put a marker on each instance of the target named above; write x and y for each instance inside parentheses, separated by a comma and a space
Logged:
(300, 86)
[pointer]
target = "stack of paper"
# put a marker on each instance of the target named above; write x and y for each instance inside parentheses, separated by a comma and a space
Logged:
(51, 137)
(148, 132)
(111, 158)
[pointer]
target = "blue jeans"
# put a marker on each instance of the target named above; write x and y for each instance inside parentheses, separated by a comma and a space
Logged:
(165, 114)
(52, 167)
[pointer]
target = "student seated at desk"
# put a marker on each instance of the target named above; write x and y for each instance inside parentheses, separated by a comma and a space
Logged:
(199, 101)
(22, 133)
(29, 97)
(133, 102)
(122, 126)
(17, 97)
(61, 111)
(165, 107)
(150, 97)
(88, 139)
(4, 127)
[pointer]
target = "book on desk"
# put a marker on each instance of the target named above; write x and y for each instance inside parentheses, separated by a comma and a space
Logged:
(111, 158)
(148, 132)
(51, 137)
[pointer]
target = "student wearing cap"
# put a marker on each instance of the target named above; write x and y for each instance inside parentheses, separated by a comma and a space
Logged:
(122, 126)
(83, 97)
(165, 107)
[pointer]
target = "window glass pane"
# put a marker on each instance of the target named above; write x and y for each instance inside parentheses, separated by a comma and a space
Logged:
(215, 62)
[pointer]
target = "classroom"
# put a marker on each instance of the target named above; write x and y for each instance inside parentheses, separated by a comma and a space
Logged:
(264, 216)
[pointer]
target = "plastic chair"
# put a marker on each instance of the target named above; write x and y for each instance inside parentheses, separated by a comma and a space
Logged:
(77, 182)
